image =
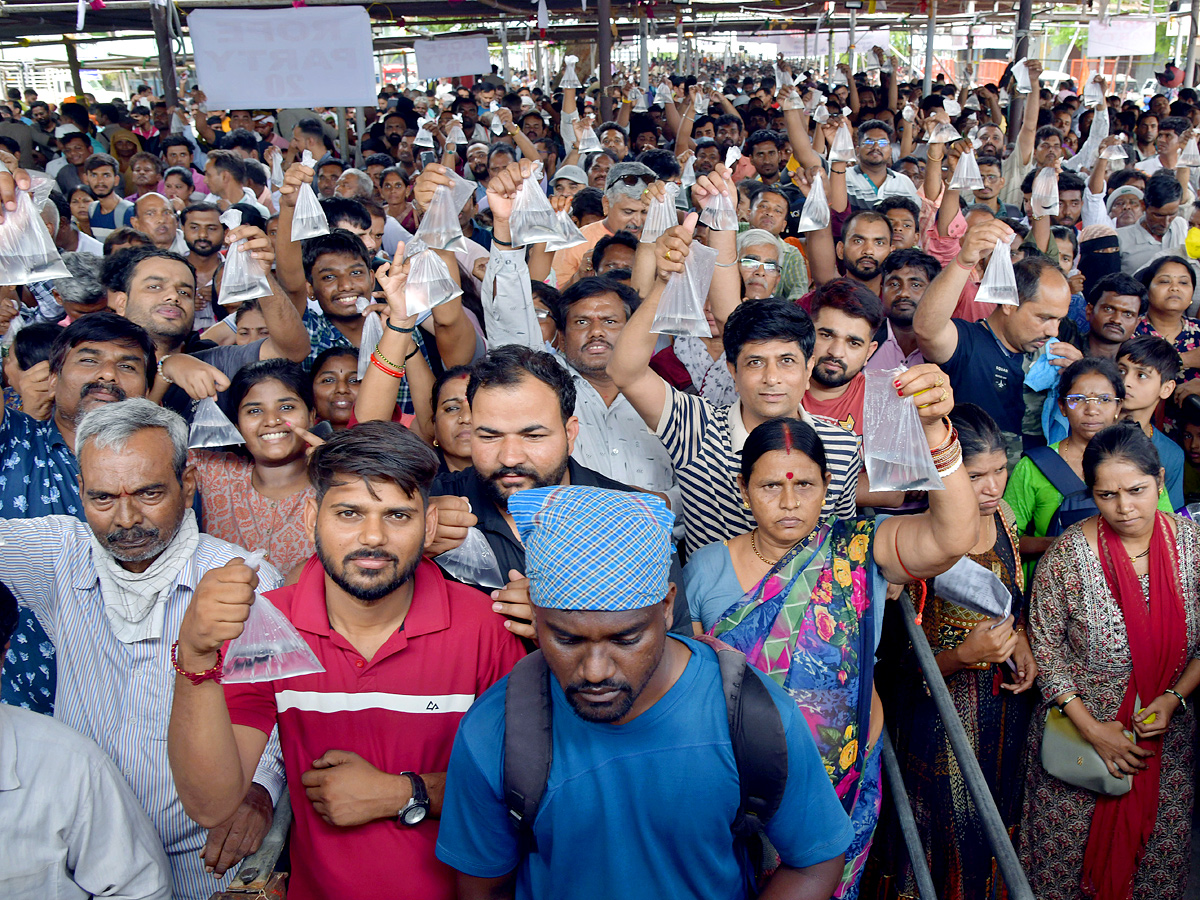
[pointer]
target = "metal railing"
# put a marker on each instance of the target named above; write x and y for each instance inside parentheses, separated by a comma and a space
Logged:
(985, 806)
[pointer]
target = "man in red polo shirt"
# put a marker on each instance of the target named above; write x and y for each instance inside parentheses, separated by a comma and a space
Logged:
(366, 743)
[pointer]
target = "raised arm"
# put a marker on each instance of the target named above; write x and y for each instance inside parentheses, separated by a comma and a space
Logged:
(289, 255)
(376, 400)
(508, 312)
(725, 292)
(933, 541)
(796, 121)
(934, 328)
(287, 336)
(845, 69)
(1025, 137)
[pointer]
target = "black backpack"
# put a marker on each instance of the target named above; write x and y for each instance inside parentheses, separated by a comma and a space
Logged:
(1077, 503)
(755, 728)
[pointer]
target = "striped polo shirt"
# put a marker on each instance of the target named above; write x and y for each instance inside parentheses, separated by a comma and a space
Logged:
(705, 444)
(398, 710)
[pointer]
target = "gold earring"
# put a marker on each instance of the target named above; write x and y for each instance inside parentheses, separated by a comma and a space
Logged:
(745, 503)
(435, 443)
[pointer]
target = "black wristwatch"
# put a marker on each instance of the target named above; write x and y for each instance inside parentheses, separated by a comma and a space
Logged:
(417, 808)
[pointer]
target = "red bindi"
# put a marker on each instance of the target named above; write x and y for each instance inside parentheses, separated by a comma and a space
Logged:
(789, 476)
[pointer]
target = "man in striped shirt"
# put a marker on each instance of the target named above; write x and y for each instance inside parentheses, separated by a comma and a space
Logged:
(112, 593)
(771, 344)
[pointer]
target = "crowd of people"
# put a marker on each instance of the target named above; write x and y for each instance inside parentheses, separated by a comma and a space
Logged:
(552, 573)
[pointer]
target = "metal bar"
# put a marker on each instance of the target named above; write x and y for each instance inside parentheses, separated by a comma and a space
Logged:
(644, 52)
(166, 57)
(73, 64)
(258, 866)
(604, 56)
(968, 763)
(908, 823)
(929, 47)
(1020, 51)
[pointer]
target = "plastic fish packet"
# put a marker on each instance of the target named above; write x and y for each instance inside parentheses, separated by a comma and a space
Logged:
(570, 78)
(211, 427)
(439, 226)
(27, 252)
(1116, 150)
(639, 99)
(276, 169)
(532, 220)
(842, 148)
(269, 646)
(897, 454)
(1093, 92)
(662, 94)
(782, 78)
(661, 215)
(497, 125)
(1044, 197)
(966, 175)
(999, 283)
(972, 102)
(473, 562)
(792, 101)
(815, 99)
(457, 137)
(424, 136)
(243, 277)
(588, 142)
(688, 178)
(681, 308)
(820, 115)
(429, 282)
(909, 113)
(720, 213)
(1020, 75)
(815, 214)
(569, 233)
(1190, 155)
(952, 108)
(372, 331)
(308, 219)
(700, 104)
(944, 133)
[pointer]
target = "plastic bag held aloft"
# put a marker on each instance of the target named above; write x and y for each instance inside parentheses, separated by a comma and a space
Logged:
(570, 78)
(27, 252)
(569, 234)
(372, 331)
(473, 562)
(1190, 155)
(1020, 73)
(243, 278)
(897, 454)
(1115, 150)
(497, 125)
(211, 427)
(999, 284)
(966, 175)
(269, 646)
(720, 213)
(588, 142)
(429, 282)
(276, 169)
(661, 215)
(308, 219)
(681, 309)
(532, 220)
(439, 226)
(943, 133)
(842, 148)
(1044, 197)
(1093, 93)
(700, 104)
(688, 178)
(815, 214)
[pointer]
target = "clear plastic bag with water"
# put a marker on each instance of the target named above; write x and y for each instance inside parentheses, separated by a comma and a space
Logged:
(815, 214)
(588, 142)
(661, 94)
(269, 646)
(276, 169)
(952, 108)
(372, 331)
(943, 133)
(429, 282)
(1190, 156)
(688, 178)
(638, 99)
(820, 115)
(308, 219)
(999, 283)
(700, 103)
(243, 277)
(424, 136)
(661, 215)
(570, 78)
(568, 231)
(1020, 74)
(457, 137)
(1044, 197)
(532, 220)
(720, 213)
(1116, 150)
(681, 308)
(27, 252)
(211, 427)
(473, 562)
(842, 148)
(897, 454)
(792, 101)
(497, 124)
(440, 227)
(966, 175)
(1093, 93)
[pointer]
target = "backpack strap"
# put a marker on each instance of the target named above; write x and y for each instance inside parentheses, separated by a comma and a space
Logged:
(528, 742)
(1056, 470)
(759, 743)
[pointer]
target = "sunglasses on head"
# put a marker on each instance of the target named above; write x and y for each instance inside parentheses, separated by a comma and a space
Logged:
(631, 180)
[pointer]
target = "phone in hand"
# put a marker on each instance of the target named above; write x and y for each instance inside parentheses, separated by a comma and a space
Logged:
(427, 157)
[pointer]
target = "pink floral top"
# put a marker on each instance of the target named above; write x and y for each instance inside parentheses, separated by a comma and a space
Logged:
(234, 511)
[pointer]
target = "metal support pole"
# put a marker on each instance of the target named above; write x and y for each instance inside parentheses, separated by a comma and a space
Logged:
(851, 51)
(604, 56)
(1020, 51)
(908, 822)
(504, 70)
(928, 84)
(985, 806)
(832, 52)
(73, 64)
(166, 58)
(344, 135)
(679, 45)
(360, 130)
(1189, 73)
(644, 52)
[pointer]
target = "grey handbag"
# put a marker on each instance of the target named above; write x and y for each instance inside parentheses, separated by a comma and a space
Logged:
(1069, 757)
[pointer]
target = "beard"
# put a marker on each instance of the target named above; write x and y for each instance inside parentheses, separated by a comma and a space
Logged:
(368, 588)
(864, 269)
(148, 542)
(615, 709)
(831, 379)
(202, 248)
(496, 493)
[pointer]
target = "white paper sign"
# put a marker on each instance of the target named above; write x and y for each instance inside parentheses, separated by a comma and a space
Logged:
(280, 58)
(450, 56)
(1122, 36)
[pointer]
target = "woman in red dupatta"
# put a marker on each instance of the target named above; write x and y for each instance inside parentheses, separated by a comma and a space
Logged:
(1115, 628)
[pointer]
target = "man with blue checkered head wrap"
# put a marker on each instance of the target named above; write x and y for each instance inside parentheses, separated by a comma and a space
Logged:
(597, 563)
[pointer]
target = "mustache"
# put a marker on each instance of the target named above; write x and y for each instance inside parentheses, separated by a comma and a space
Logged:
(505, 471)
(831, 361)
(608, 684)
(126, 535)
(98, 387)
(369, 554)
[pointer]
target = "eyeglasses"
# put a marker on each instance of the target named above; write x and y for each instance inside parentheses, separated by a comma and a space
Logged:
(768, 265)
(990, 179)
(631, 180)
(878, 142)
(1074, 400)
(541, 313)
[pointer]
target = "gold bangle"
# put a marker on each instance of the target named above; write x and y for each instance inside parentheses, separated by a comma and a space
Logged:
(383, 359)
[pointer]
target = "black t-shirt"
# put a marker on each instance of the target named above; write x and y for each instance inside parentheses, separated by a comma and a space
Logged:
(983, 372)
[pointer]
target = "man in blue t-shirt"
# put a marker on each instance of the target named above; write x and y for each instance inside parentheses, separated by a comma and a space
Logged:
(985, 360)
(109, 211)
(643, 784)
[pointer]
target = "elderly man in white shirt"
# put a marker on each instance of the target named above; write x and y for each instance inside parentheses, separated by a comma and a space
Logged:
(1160, 228)
(70, 826)
(111, 594)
